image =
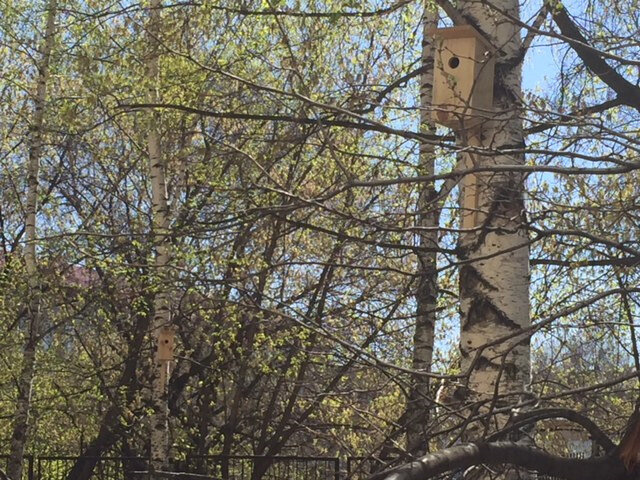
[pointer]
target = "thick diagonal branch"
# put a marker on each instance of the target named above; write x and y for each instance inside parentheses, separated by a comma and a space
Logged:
(500, 453)
(627, 91)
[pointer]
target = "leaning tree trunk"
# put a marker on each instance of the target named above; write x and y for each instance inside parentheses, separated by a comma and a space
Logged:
(25, 380)
(494, 277)
(417, 413)
(159, 435)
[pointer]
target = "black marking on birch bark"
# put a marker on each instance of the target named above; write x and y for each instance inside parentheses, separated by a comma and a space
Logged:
(480, 309)
(509, 203)
(484, 363)
(515, 146)
(426, 292)
(501, 90)
(509, 371)
(511, 62)
(504, 205)
(471, 281)
(424, 347)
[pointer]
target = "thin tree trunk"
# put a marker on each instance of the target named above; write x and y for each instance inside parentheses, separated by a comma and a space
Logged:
(19, 435)
(494, 280)
(417, 413)
(159, 435)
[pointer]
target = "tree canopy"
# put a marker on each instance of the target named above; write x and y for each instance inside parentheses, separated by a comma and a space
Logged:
(307, 201)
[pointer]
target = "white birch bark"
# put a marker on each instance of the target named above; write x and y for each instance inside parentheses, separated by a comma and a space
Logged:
(494, 284)
(19, 435)
(428, 219)
(159, 435)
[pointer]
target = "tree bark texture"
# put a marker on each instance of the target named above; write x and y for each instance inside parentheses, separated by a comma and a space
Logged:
(159, 435)
(494, 277)
(426, 294)
(19, 435)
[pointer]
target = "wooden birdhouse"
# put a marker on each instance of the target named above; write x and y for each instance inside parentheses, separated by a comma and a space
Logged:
(166, 343)
(463, 77)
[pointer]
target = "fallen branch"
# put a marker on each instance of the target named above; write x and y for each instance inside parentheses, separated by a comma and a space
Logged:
(461, 457)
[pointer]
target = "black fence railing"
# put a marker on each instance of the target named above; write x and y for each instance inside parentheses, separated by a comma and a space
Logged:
(254, 467)
(58, 467)
(362, 467)
(227, 467)
(27, 473)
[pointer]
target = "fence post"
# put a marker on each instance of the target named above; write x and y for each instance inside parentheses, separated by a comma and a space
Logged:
(336, 463)
(30, 468)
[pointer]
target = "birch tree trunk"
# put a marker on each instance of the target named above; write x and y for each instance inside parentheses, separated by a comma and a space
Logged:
(428, 219)
(19, 435)
(494, 278)
(162, 315)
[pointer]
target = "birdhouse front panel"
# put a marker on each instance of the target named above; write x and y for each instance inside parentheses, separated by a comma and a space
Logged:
(463, 77)
(166, 344)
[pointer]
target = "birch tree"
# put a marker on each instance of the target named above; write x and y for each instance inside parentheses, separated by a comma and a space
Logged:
(420, 402)
(159, 432)
(494, 276)
(33, 331)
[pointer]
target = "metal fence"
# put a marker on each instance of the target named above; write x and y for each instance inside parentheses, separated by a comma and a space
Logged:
(227, 467)
(362, 467)
(224, 467)
(27, 473)
(254, 467)
(58, 467)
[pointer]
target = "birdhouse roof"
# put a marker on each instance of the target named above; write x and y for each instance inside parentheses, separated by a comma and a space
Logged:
(460, 31)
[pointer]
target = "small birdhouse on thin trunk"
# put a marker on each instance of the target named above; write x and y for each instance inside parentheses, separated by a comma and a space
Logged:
(166, 343)
(463, 77)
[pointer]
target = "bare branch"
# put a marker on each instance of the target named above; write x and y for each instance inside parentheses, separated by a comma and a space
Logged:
(534, 416)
